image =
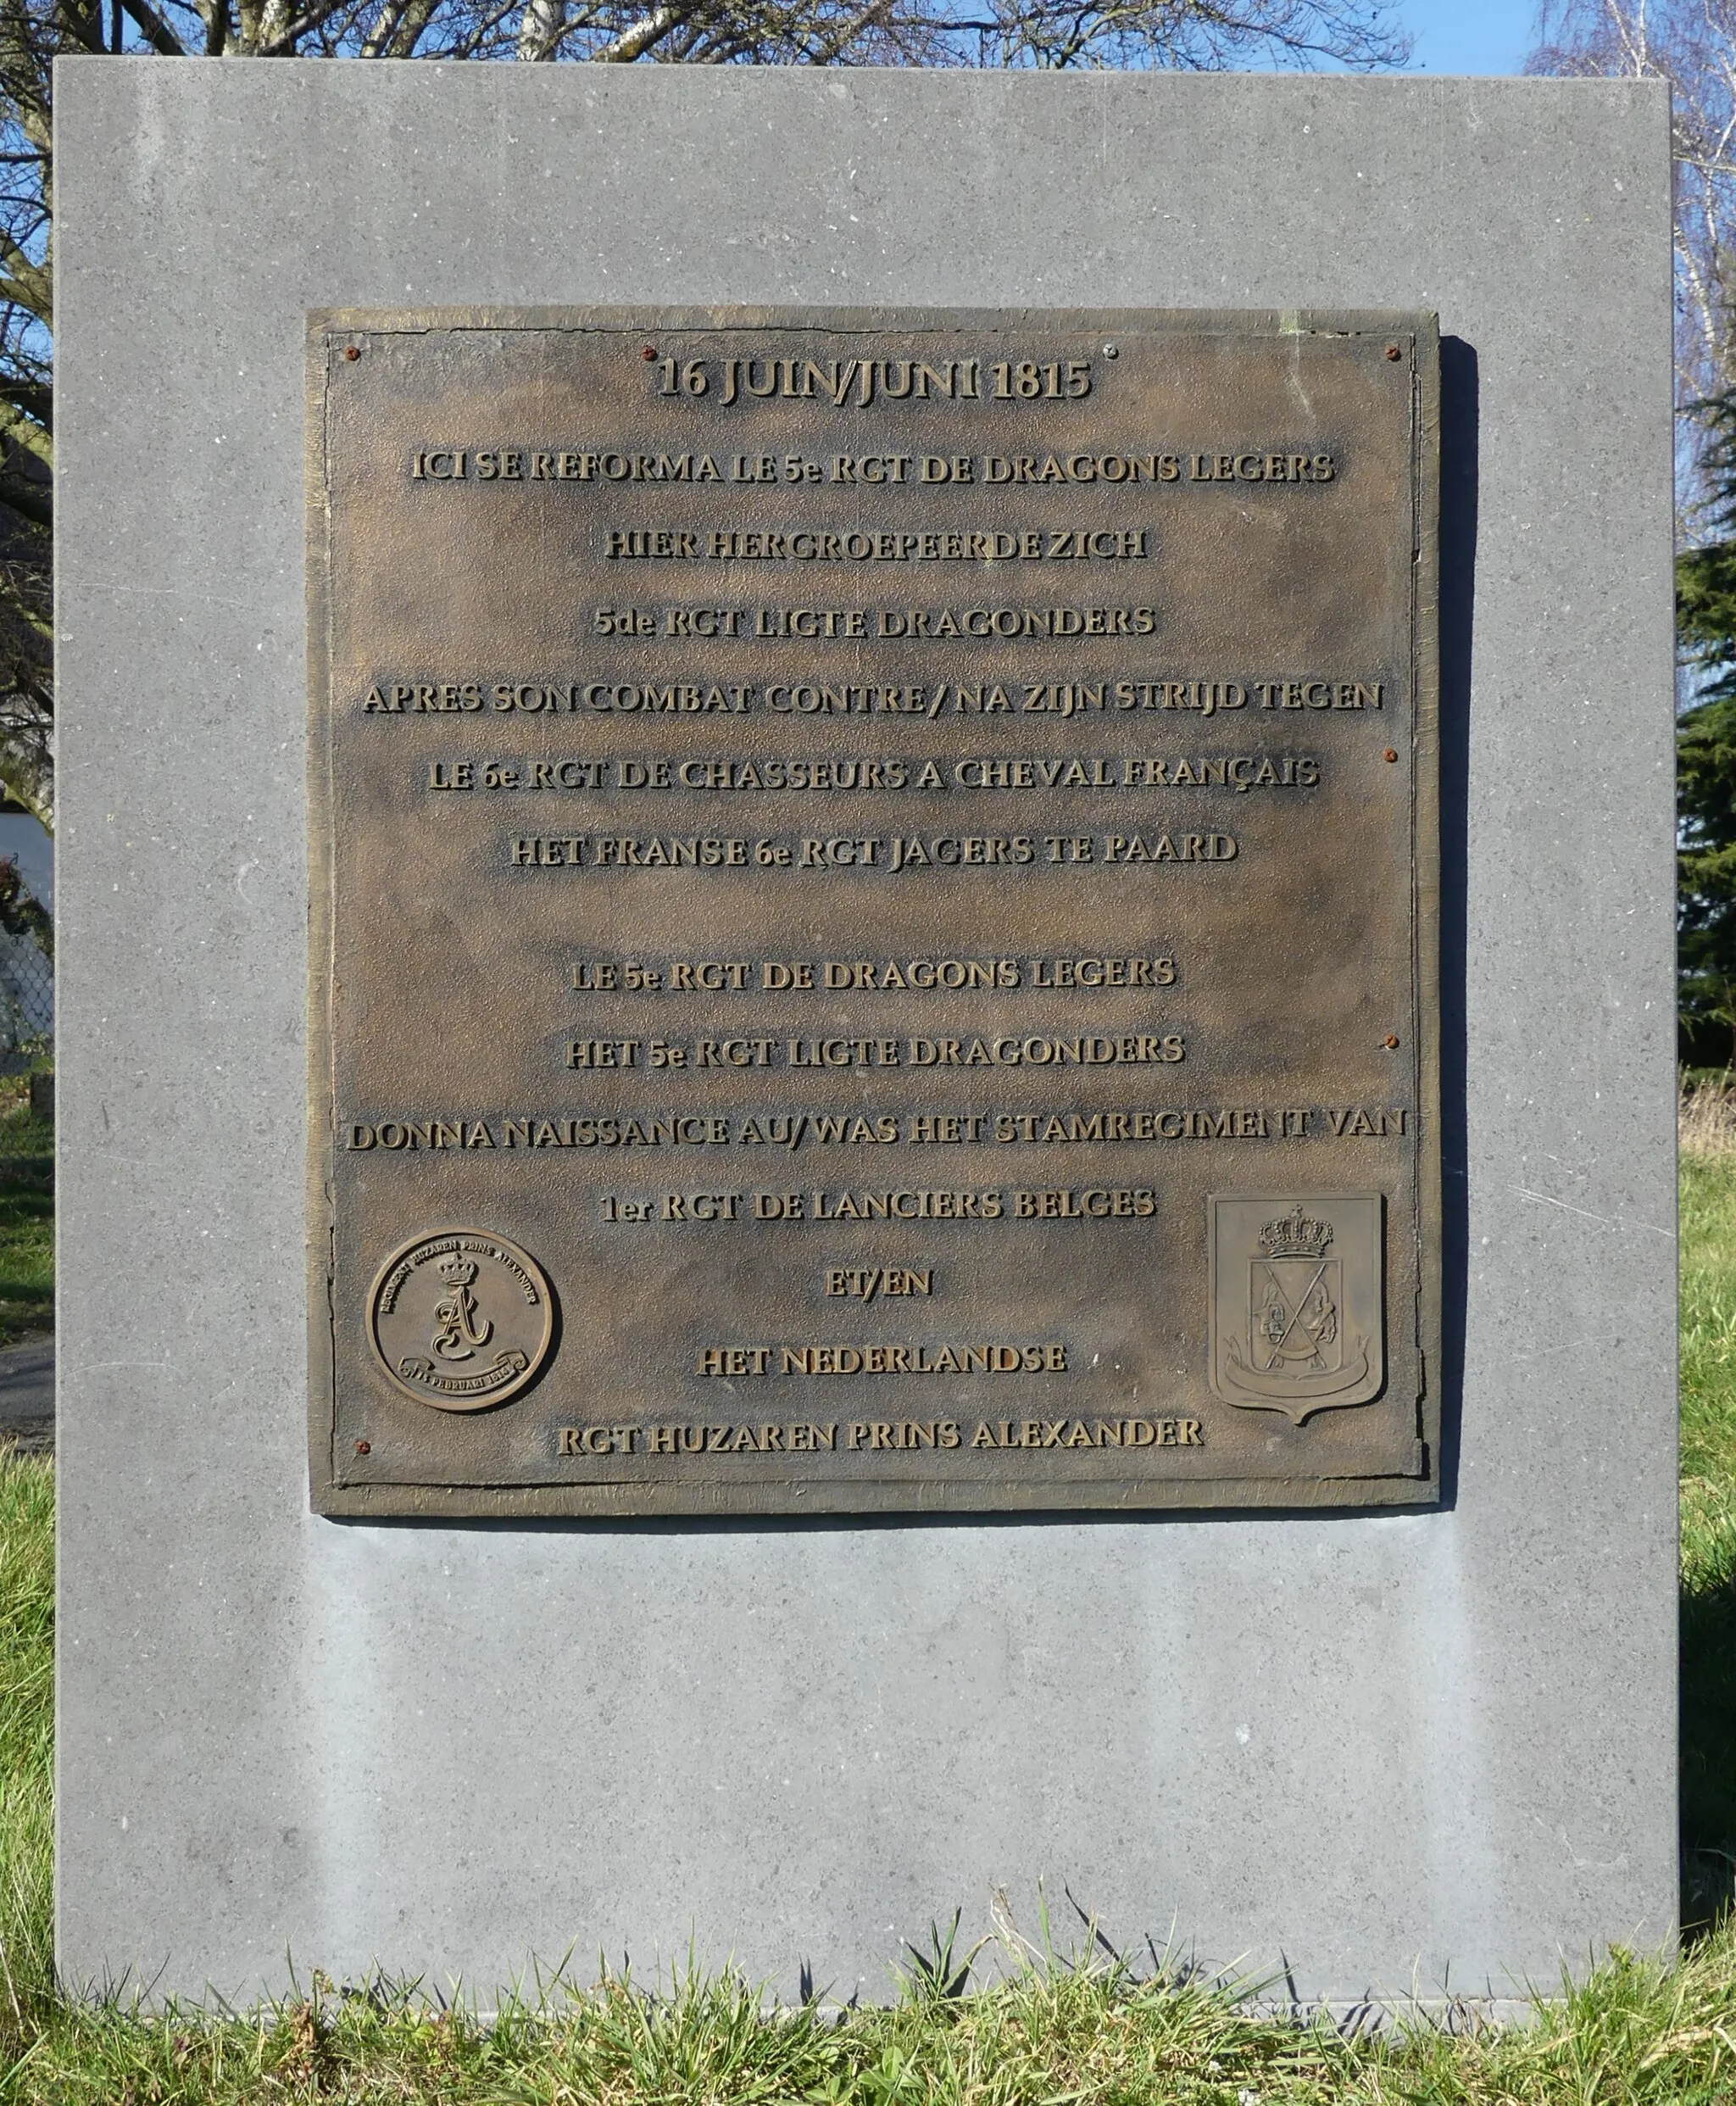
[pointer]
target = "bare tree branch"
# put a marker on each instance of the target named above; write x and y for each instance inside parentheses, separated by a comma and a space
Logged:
(541, 26)
(1692, 45)
(635, 42)
(154, 30)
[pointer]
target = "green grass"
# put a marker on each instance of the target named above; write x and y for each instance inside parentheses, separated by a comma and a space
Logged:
(1708, 1529)
(26, 1215)
(1057, 2030)
(1050, 2027)
(26, 1738)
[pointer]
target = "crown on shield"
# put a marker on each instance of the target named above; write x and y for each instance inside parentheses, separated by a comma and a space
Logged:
(1295, 1236)
(455, 1271)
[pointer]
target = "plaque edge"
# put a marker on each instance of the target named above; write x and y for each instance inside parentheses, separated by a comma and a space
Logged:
(1275, 321)
(321, 1094)
(1207, 1498)
(1429, 1210)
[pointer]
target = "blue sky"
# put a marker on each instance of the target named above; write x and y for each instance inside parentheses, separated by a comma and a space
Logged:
(1469, 35)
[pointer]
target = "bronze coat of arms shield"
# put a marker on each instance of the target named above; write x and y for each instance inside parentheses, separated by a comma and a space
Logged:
(1297, 1301)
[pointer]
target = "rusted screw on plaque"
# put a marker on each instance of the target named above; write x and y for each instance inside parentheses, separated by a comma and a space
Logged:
(1392, 753)
(1393, 352)
(352, 350)
(649, 352)
(1390, 1042)
(366, 1447)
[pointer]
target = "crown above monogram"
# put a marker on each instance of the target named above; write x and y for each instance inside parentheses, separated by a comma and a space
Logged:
(1295, 1236)
(456, 1272)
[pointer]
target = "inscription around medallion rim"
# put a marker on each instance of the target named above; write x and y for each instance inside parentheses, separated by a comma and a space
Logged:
(481, 1293)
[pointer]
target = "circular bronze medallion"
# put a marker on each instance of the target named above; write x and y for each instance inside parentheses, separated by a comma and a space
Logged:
(461, 1319)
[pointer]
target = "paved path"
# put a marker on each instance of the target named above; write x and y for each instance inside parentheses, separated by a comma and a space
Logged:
(27, 1395)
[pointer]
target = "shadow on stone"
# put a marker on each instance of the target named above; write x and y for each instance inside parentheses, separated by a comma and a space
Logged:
(1708, 1760)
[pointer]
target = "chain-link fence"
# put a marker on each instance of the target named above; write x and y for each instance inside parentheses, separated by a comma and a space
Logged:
(26, 1003)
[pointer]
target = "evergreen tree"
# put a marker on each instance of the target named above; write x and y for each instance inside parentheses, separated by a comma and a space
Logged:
(1692, 45)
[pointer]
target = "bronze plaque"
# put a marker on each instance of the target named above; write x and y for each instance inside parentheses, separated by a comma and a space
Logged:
(874, 883)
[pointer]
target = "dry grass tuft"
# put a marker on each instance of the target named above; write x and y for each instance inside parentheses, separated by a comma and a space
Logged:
(1705, 1113)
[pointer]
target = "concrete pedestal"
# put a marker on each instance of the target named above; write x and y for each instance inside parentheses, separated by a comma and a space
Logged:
(1425, 1751)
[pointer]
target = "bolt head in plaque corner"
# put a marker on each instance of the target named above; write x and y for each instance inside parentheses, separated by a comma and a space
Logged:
(1298, 1311)
(461, 1319)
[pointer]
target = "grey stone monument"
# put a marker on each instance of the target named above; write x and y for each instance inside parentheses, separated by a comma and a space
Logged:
(1416, 1752)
